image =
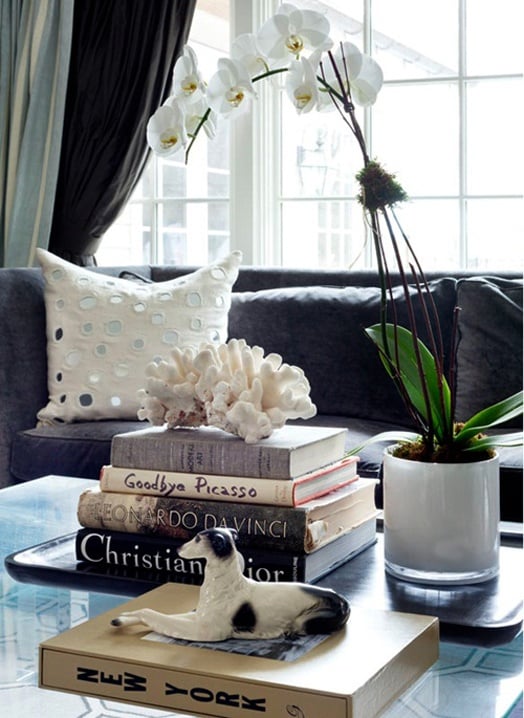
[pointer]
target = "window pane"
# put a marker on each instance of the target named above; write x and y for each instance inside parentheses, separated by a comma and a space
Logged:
(144, 188)
(218, 184)
(207, 173)
(494, 37)
(494, 136)
(346, 17)
(129, 240)
(218, 148)
(338, 11)
(174, 247)
(433, 229)
(193, 232)
(495, 231)
(320, 156)
(416, 39)
(415, 135)
(172, 178)
(172, 215)
(323, 234)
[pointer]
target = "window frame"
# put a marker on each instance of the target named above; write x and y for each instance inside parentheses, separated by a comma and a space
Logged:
(255, 198)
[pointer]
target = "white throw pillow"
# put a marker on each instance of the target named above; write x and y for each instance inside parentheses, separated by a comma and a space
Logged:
(103, 331)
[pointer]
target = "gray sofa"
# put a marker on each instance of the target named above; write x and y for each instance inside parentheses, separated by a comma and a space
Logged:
(314, 319)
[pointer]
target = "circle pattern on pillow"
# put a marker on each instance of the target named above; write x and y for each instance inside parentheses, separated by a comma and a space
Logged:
(103, 331)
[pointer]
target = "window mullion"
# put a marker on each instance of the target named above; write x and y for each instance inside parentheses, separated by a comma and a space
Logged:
(254, 212)
(462, 123)
(155, 183)
(367, 39)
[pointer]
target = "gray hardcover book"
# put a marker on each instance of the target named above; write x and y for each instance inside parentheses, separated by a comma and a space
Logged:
(289, 452)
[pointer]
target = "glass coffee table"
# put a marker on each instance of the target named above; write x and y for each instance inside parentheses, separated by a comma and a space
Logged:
(479, 673)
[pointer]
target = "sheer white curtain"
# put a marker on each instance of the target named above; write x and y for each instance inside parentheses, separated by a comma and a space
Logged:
(35, 44)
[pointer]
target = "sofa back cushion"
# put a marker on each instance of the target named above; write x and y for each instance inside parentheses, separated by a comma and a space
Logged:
(489, 353)
(321, 329)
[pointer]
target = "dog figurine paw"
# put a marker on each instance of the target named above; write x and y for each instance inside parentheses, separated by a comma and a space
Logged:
(231, 605)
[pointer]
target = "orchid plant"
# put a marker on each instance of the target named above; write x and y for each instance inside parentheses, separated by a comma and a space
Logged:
(295, 46)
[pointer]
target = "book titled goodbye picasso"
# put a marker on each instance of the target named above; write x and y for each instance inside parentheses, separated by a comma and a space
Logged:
(354, 673)
(303, 528)
(237, 489)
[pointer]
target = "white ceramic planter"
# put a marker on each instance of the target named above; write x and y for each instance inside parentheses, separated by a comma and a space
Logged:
(441, 520)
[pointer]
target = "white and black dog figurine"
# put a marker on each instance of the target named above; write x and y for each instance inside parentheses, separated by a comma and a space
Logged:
(234, 606)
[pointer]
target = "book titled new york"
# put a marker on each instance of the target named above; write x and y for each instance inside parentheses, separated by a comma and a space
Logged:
(354, 673)
(155, 556)
(238, 489)
(302, 528)
(290, 451)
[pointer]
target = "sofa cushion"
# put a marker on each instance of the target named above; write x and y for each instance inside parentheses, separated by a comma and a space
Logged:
(77, 449)
(102, 332)
(489, 352)
(321, 330)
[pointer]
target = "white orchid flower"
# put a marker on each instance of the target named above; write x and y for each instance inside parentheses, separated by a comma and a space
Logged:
(166, 133)
(245, 50)
(188, 84)
(301, 85)
(194, 114)
(230, 89)
(364, 75)
(368, 82)
(292, 31)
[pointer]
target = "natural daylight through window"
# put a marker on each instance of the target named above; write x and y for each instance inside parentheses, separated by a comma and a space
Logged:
(281, 187)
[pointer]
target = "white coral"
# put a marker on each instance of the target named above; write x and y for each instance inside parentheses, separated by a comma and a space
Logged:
(231, 386)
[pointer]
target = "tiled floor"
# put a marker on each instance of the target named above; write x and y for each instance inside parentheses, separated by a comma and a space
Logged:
(466, 682)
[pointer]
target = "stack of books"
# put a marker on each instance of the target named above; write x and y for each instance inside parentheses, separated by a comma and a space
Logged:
(298, 505)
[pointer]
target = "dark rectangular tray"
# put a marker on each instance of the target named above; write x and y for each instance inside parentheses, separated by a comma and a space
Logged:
(489, 613)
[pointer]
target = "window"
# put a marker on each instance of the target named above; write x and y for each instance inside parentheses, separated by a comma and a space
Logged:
(447, 123)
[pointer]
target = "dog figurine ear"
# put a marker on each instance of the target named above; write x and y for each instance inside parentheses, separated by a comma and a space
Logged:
(222, 541)
(234, 534)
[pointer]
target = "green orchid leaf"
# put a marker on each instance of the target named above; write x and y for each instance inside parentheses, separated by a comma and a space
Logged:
(492, 442)
(485, 419)
(412, 379)
(385, 436)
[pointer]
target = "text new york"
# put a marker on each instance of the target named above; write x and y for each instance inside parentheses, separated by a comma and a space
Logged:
(132, 682)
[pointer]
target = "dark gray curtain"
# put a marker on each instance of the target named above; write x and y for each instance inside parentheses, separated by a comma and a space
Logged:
(122, 58)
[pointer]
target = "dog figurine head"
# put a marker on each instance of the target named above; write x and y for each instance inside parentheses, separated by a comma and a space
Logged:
(211, 544)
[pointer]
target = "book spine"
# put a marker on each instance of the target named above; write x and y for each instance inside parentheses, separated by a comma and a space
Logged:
(276, 527)
(179, 690)
(235, 489)
(146, 553)
(185, 452)
(192, 456)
